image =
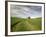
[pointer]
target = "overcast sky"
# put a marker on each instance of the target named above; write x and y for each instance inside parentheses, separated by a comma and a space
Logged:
(24, 11)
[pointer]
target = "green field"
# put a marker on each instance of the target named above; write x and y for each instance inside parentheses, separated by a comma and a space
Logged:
(21, 24)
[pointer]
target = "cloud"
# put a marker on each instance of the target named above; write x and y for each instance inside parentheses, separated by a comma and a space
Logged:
(25, 11)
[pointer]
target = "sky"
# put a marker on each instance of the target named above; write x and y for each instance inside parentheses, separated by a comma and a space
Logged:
(24, 11)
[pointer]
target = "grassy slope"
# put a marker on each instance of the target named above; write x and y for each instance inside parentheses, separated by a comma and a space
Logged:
(20, 24)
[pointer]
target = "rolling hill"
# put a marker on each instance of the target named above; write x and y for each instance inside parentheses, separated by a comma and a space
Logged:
(21, 24)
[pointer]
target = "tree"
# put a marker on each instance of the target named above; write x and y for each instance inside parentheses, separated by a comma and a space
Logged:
(28, 17)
